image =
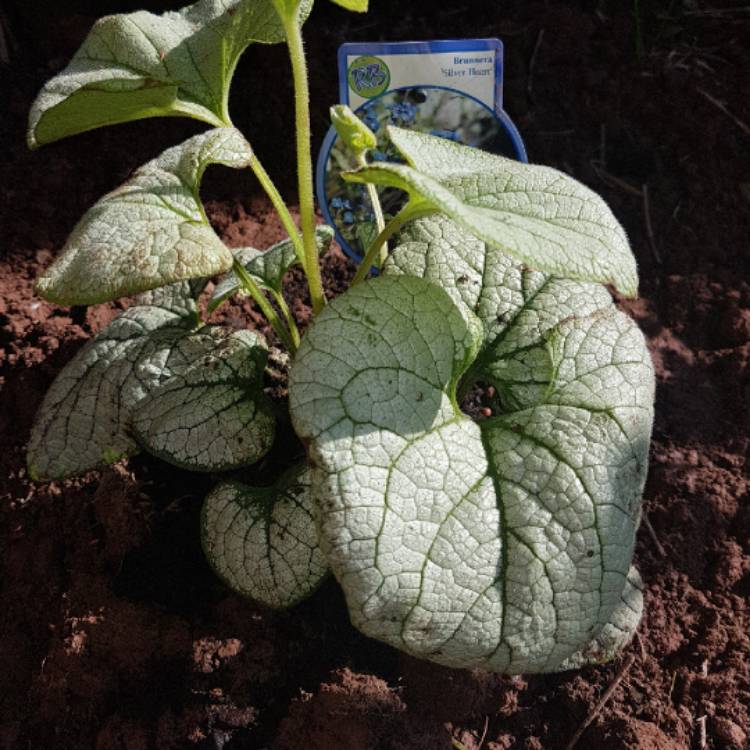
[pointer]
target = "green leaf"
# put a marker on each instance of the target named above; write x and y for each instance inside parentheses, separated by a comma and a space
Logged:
(149, 232)
(262, 540)
(86, 419)
(138, 65)
(180, 298)
(540, 216)
(358, 6)
(355, 135)
(211, 414)
(504, 544)
(83, 421)
(267, 267)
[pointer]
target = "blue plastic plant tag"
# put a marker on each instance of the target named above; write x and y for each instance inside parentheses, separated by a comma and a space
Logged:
(452, 89)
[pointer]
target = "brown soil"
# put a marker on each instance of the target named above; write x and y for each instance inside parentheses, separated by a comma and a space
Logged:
(113, 632)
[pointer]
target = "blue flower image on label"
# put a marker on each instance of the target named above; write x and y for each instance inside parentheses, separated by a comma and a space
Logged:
(442, 112)
(369, 76)
(451, 89)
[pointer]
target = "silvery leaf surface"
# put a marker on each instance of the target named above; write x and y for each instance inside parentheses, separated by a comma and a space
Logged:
(538, 215)
(504, 544)
(210, 414)
(180, 298)
(83, 422)
(262, 541)
(137, 65)
(86, 418)
(267, 267)
(151, 231)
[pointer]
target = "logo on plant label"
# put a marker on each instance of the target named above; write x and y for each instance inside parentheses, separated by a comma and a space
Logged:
(369, 76)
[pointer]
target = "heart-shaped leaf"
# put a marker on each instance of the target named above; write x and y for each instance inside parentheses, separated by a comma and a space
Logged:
(211, 415)
(504, 544)
(82, 423)
(262, 540)
(540, 216)
(86, 419)
(138, 65)
(267, 267)
(151, 231)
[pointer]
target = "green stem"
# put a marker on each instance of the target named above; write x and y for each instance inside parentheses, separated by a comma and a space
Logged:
(290, 322)
(372, 193)
(281, 208)
(408, 213)
(304, 157)
(256, 293)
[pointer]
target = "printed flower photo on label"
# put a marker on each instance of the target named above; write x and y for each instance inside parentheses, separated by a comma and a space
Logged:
(441, 112)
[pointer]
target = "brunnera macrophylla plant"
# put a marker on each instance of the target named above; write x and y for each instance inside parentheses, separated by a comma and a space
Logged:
(504, 543)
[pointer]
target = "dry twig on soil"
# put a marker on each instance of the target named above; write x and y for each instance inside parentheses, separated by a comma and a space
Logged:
(723, 107)
(484, 732)
(649, 225)
(702, 738)
(532, 62)
(626, 665)
(614, 182)
(655, 539)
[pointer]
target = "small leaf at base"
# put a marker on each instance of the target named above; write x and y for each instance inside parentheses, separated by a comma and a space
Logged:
(86, 419)
(211, 414)
(83, 421)
(262, 540)
(267, 267)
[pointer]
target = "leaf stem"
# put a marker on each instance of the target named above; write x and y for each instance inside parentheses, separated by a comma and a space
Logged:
(372, 194)
(408, 213)
(304, 157)
(265, 306)
(290, 322)
(281, 208)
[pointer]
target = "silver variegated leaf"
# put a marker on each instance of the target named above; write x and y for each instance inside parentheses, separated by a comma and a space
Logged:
(211, 413)
(267, 267)
(137, 65)
(262, 540)
(504, 544)
(151, 231)
(83, 422)
(538, 215)
(180, 298)
(86, 418)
